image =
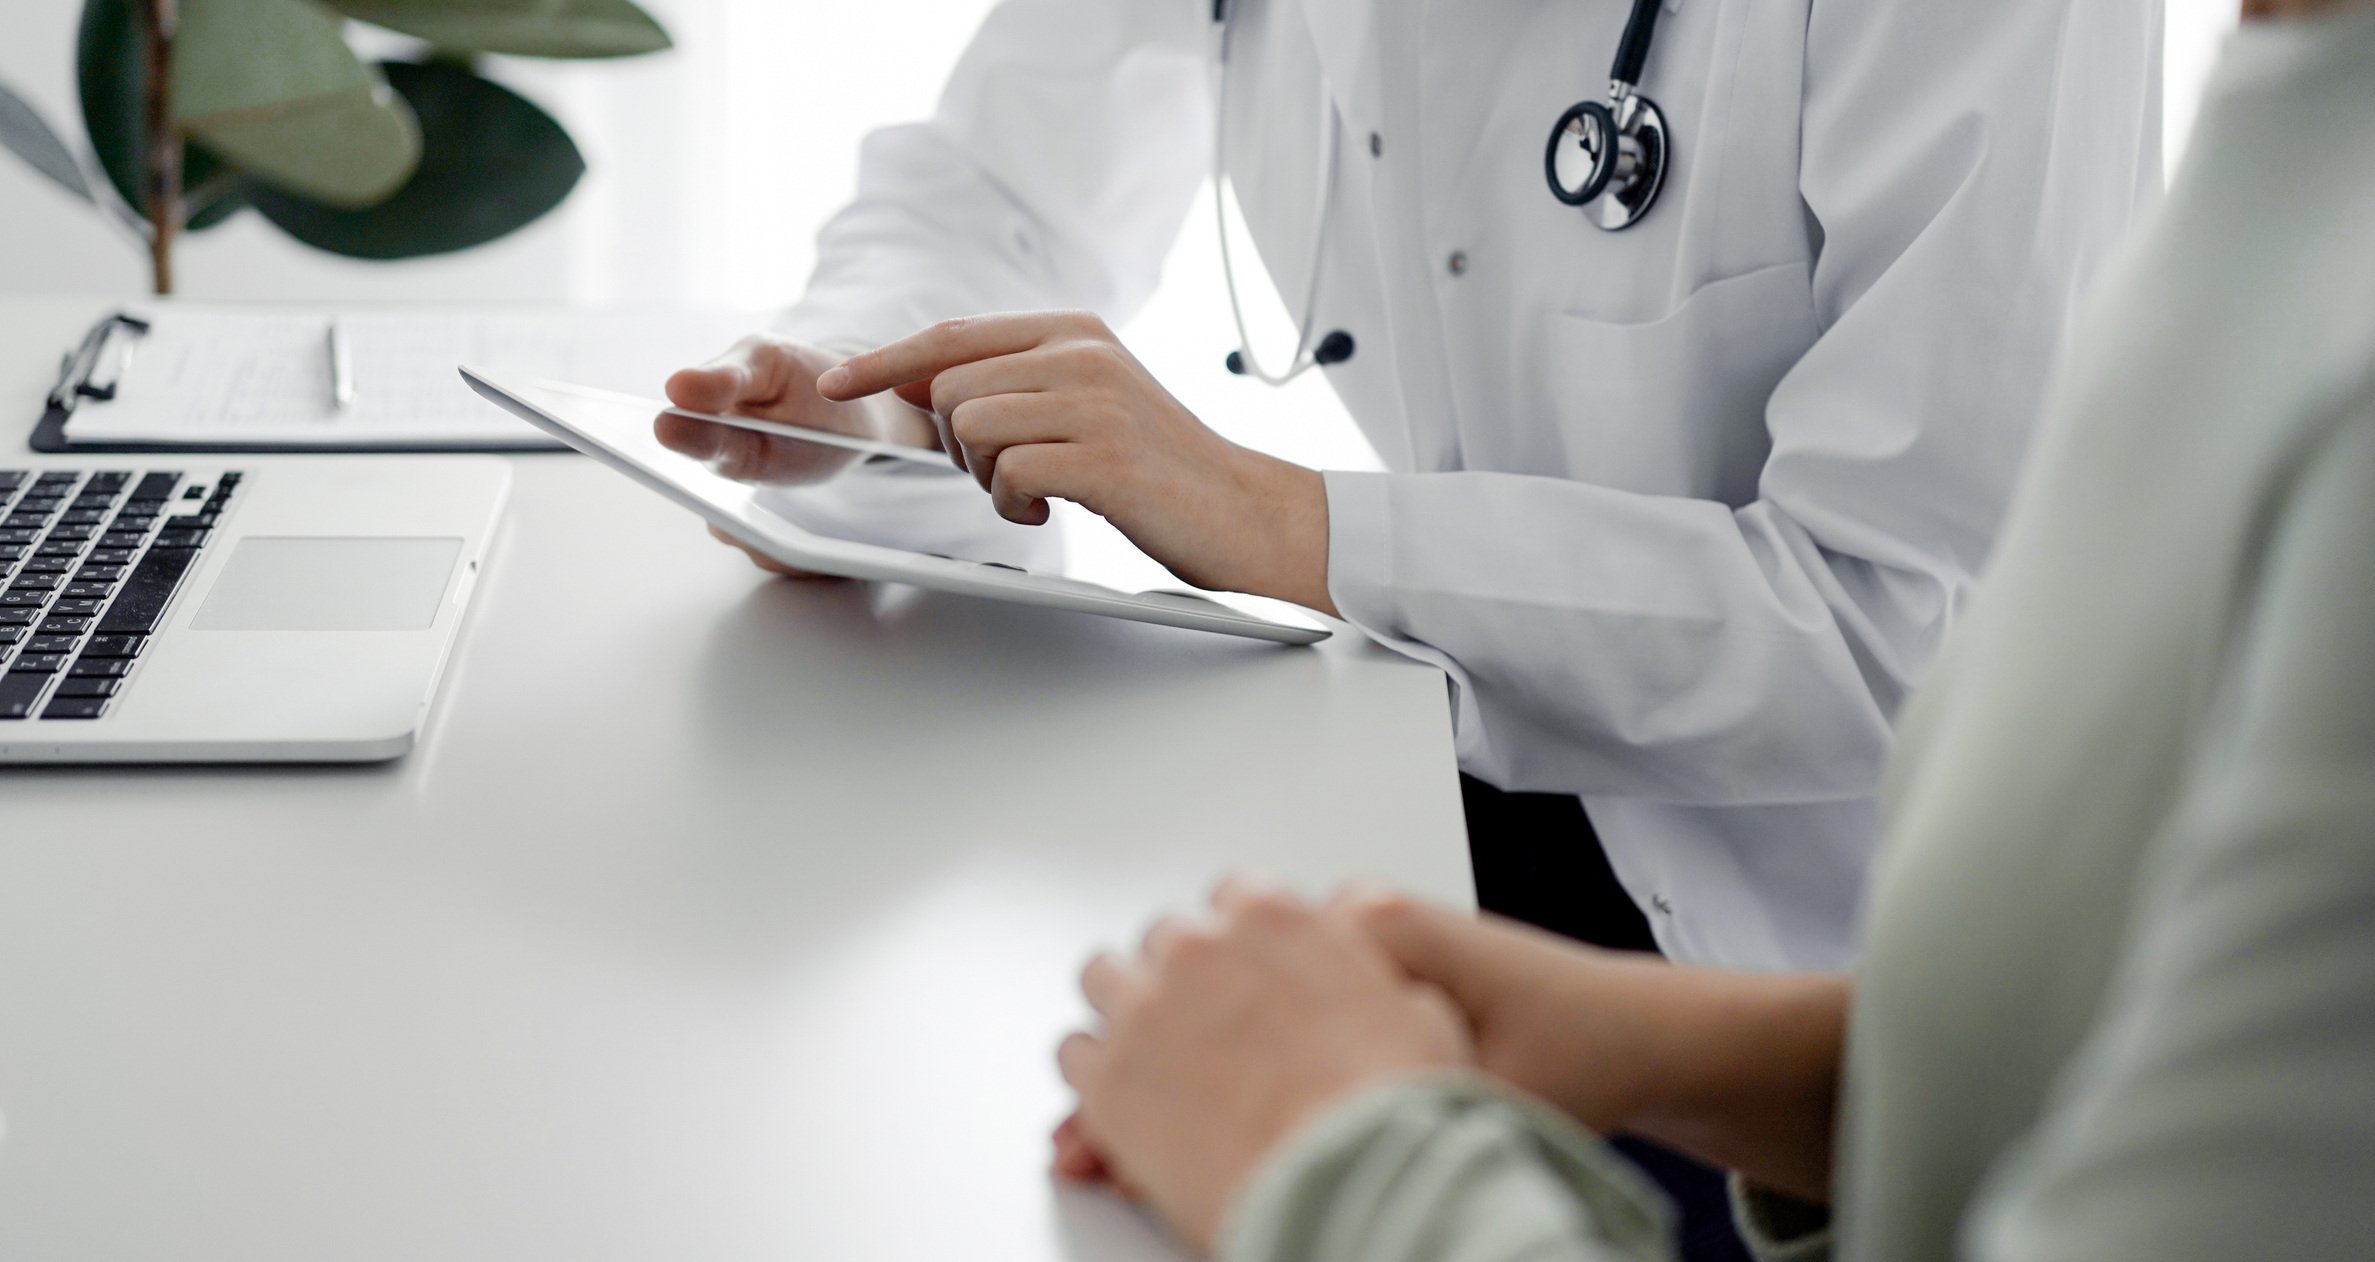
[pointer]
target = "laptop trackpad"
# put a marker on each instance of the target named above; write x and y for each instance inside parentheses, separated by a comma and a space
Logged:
(275, 584)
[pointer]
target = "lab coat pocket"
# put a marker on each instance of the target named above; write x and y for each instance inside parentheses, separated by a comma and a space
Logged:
(1676, 406)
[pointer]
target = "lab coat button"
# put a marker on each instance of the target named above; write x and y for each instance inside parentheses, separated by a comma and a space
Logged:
(1376, 145)
(1659, 902)
(1457, 263)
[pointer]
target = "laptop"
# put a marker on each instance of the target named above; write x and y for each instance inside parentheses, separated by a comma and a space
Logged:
(276, 610)
(618, 430)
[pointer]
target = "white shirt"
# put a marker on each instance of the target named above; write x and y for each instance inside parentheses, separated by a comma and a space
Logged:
(1683, 510)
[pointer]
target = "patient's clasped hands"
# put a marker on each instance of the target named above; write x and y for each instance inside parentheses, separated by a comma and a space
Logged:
(1036, 406)
(1215, 1041)
(1220, 1037)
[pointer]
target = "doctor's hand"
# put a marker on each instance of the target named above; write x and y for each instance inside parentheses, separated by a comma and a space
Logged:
(1049, 405)
(774, 379)
(1219, 1040)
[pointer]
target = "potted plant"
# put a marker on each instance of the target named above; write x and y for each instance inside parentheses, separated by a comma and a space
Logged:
(200, 110)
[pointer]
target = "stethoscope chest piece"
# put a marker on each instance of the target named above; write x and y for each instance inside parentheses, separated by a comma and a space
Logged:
(1609, 159)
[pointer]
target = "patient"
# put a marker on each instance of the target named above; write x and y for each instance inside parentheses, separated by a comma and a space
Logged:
(2120, 992)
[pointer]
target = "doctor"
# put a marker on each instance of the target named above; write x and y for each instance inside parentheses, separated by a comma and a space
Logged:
(1686, 480)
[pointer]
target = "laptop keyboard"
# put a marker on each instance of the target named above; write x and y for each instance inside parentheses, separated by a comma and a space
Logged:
(90, 563)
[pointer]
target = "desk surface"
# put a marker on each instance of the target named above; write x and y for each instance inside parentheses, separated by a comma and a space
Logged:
(714, 918)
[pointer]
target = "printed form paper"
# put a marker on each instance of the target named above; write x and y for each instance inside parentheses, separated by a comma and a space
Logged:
(206, 375)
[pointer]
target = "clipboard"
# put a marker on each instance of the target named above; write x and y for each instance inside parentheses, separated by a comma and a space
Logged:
(250, 380)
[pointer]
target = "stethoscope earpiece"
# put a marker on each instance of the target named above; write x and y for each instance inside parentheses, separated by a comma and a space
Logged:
(1335, 348)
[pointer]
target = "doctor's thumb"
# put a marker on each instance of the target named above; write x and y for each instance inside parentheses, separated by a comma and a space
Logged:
(717, 386)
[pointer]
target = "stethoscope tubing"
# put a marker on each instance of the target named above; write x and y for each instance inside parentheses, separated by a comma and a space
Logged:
(1245, 361)
(1614, 124)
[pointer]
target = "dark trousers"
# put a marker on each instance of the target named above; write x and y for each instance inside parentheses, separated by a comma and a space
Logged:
(1537, 859)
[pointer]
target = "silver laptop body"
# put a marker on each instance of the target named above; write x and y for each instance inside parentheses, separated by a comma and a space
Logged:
(228, 609)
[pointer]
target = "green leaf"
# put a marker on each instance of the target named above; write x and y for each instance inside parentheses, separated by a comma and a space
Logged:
(491, 163)
(111, 63)
(527, 28)
(208, 207)
(27, 134)
(271, 86)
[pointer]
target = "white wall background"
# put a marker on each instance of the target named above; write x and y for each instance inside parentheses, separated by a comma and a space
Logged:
(712, 167)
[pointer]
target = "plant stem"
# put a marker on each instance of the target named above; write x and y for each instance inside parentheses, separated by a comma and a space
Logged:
(161, 170)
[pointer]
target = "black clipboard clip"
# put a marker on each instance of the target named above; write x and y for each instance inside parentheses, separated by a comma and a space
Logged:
(79, 374)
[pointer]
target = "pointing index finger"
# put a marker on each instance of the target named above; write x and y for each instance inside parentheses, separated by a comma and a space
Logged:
(923, 356)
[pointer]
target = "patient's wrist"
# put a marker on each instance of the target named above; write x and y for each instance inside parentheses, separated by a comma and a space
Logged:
(1755, 1078)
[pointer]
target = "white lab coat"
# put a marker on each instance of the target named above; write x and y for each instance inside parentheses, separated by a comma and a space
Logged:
(1682, 510)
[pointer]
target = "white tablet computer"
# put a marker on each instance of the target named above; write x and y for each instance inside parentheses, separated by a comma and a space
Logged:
(616, 429)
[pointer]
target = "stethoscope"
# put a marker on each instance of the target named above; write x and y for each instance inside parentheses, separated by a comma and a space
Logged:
(1608, 158)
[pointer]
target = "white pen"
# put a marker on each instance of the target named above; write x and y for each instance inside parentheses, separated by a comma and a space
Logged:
(342, 369)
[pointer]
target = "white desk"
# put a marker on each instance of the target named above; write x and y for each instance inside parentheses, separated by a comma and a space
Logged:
(715, 918)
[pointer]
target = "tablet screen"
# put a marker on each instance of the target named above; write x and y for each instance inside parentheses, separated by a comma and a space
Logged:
(724, 470)
(742, 448)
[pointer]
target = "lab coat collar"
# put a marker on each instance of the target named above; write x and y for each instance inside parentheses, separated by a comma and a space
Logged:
(1343, 33)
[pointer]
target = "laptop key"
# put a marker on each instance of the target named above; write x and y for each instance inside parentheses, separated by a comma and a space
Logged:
(10, 635)
(13, 599)
(91, 573)
(78, 686)
(51, 644)
(39, 663)
(111, 556)
(37, 582)
(141, 605)
(48, 565)
(114, 646)
(89, 591)
(54, 625)
(78, 608)
(156, 486)
(18, 617)
(87, 667)
(19, 692)
(109, 480)
(75, 708)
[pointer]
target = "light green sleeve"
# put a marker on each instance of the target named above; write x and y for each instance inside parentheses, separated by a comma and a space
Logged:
(1446, 1169)
(2224, 1106)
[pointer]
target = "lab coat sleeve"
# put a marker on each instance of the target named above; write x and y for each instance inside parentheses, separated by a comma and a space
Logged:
(2223, 1106)
(1056, 171)
(1963, 168)
(1445, 1169)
